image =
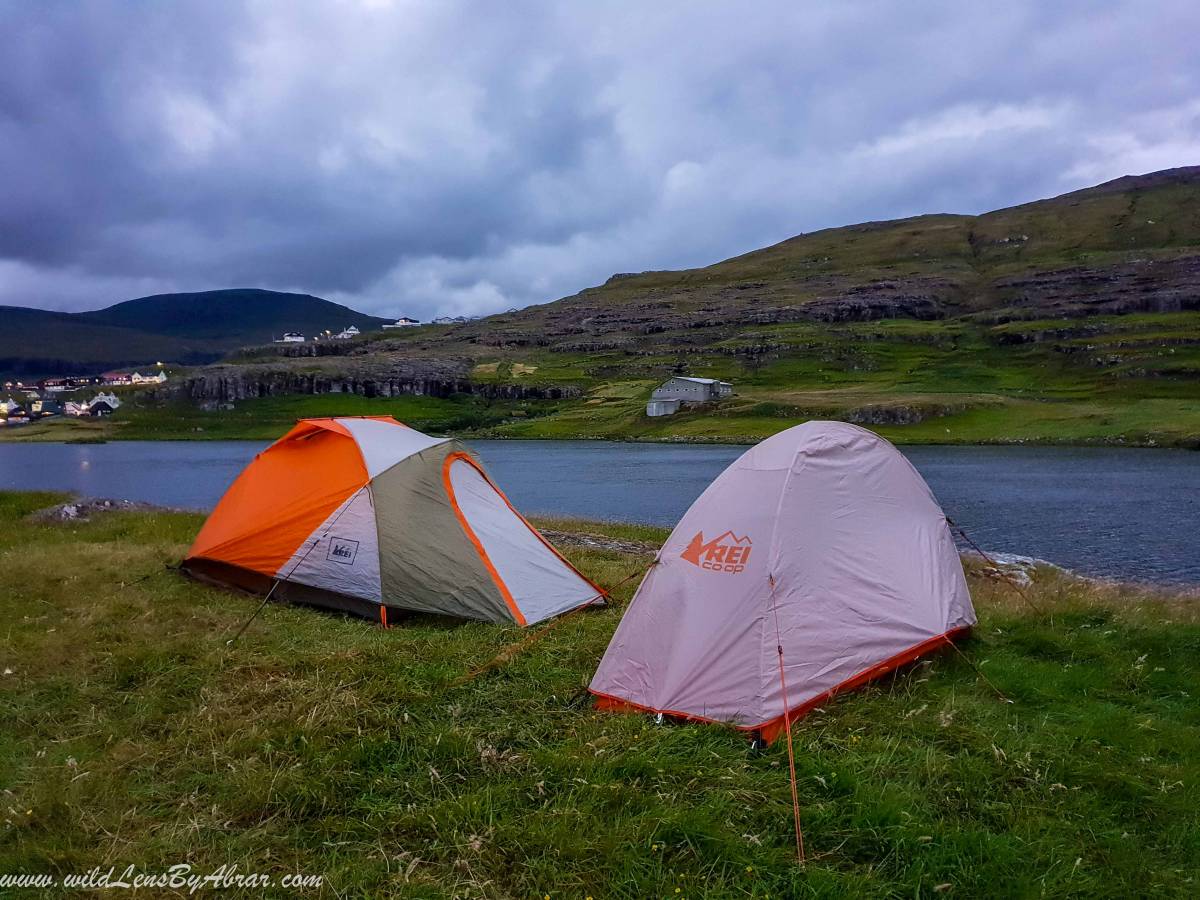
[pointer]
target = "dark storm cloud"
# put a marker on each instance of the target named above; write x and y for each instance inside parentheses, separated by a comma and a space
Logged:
(427, 158)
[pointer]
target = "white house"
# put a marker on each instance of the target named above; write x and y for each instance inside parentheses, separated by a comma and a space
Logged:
(291, 337)
(71, 408)
(692, 390)
(346, 333)
(403, 322)
(158, 378)
(110, 398)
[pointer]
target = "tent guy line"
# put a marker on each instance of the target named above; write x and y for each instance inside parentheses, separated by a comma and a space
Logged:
(787, 723)
(506, 655)
(1016, 586)
(267, 598)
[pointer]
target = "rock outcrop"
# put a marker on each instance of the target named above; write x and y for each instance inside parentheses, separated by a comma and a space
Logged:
(1148, 285)
(227, 384)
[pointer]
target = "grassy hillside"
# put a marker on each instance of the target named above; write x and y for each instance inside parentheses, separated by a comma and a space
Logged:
(1074, 319)
(129, 734)
(1071, 319)
(182, 328)
(39, 342)
(1036, 381)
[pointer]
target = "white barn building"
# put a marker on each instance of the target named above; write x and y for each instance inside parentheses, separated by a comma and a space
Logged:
(683, 389)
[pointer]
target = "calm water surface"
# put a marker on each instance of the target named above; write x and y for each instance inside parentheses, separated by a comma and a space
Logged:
(1122, 513)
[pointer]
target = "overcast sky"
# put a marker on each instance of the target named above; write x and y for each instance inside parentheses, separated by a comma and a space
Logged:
(444, 158)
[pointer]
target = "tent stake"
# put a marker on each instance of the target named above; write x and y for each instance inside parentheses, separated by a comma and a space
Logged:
(253, 616)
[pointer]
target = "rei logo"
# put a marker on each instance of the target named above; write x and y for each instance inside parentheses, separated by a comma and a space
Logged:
(725, 553)
(342, 551)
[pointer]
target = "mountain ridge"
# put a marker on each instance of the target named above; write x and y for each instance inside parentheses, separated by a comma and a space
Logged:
(190, 328)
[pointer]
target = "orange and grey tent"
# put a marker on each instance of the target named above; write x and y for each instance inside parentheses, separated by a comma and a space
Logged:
(364, 513)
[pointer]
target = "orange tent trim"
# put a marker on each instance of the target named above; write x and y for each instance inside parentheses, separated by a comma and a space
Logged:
(772, 728)
(470, 533)
(537, 534)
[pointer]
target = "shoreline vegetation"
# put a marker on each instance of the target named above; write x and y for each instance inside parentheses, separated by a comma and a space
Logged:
(1143, 423)
(130, 733)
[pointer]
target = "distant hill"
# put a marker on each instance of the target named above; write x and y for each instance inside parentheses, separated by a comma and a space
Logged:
(1129, 245)
(191, 329)
(1075, 318)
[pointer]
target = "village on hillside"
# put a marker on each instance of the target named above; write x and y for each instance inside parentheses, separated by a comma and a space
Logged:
(352, 331)
(82, 396)
(71, 395)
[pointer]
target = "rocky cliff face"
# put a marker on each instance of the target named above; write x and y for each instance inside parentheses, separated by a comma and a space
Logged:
(227, 384)
(1148, 285)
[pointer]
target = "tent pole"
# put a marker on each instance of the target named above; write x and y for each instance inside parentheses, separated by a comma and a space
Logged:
(787, 727)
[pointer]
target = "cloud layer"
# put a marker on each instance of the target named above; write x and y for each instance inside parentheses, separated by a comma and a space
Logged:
(446, 158)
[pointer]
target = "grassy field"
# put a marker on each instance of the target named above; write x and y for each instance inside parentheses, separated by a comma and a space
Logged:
(264, 419)
(129, 733)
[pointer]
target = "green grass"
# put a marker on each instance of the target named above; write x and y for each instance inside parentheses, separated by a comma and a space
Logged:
(1114, 380)
(321, 744)
(269, 417)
